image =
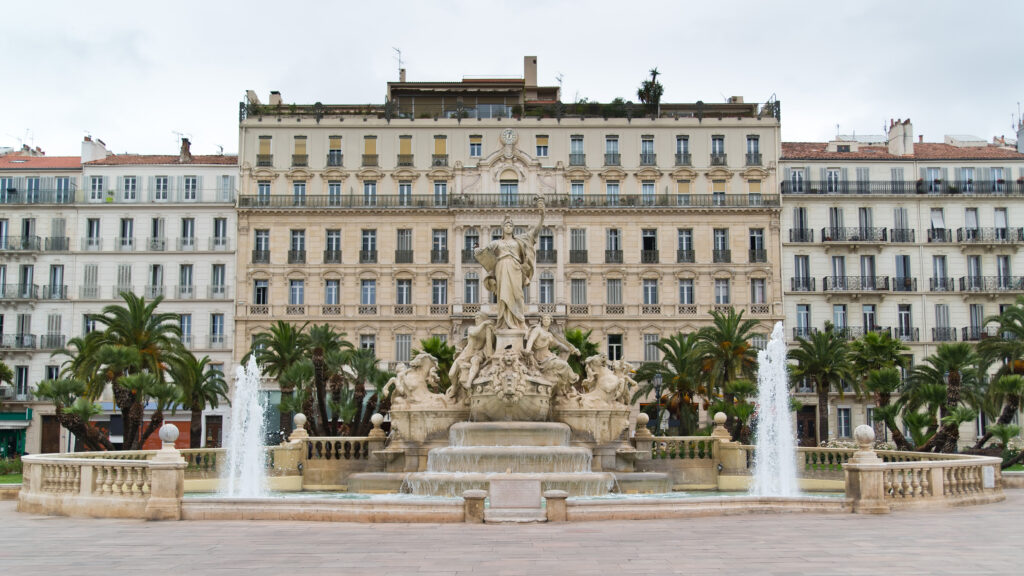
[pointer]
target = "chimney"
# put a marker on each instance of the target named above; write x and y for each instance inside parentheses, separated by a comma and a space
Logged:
(530, 70)
(186, 151)
(93, 149)
(900, 139)
(920, 138)
(1020, 137)
(275, 98)
(401, 74)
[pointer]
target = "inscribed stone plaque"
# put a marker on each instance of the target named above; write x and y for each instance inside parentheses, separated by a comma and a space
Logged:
(515, 493)
(988, 477)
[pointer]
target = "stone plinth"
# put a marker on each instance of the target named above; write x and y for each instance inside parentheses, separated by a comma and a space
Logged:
(494, 399)
(514, 499)
(420, 426)
(599, 426)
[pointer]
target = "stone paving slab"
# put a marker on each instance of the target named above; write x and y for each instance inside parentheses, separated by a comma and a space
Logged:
(971, 540)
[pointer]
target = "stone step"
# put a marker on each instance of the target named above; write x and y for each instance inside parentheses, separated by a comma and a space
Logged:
(557, 459)
(453, 484)
(509, 434)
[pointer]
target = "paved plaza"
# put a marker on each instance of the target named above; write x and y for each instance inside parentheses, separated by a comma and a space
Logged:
(974, 540)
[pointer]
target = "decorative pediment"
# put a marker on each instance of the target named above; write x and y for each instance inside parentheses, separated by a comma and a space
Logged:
(578, 173)
(368, 275)
(402, 274)
(650, 273)
(295, 274)
(686, 275)
(754, 173)
(718, 174)
(405, 174)
(332, 274)
(440, 173)
(722, 273)
(684, 173)
(648, 173)
(612, 174)
(370, 174)
(298, 174)
(334, 174)
(264, 174)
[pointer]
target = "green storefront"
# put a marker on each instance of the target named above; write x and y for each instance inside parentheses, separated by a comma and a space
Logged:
(13, 426)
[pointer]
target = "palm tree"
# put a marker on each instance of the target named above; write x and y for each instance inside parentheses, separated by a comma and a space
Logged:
(883, 383)
(587, 347)
(73, 411)
(650, 92)
(200, 385)
(6, 375)
(443, 353)
(81, 363)
(680, 373)
(949, 365)
(324, 343)
(726, 352)
(276, 350)
(140, 339)
(1007, 346)
(824, 360)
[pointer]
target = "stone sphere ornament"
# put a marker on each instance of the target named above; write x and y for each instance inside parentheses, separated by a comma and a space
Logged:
(299, 420)
(169, 433)
(642, 419)
(865, 436)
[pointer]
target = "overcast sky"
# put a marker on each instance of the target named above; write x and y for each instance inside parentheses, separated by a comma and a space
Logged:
(136, 73)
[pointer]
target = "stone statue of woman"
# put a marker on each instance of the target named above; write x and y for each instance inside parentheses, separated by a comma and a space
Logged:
(509, 262)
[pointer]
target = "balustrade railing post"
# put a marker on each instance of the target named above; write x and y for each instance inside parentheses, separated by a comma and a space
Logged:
(643, 441)
(864, 475)
(85, 482)
(729, 458)
(167, 478)
(935, 482)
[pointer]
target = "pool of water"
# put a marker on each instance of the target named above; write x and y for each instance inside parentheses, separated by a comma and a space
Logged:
(318, 495)
(668, 496)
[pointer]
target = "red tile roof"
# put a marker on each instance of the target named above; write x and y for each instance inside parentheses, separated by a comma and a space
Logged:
(922, 151)
(15, 162)
(162, 160)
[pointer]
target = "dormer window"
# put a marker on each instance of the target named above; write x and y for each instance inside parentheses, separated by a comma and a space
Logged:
(842, 148)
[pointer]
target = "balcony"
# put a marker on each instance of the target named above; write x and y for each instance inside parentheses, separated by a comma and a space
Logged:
(798, 284)
(51, 341)
(58, 244)
(265, 160)
(719, 159)
(259, 310)
(867, 234)
(187, 244)
(940, 235)
(944, 334)
(295, 309)
(54, 292)
(439, 310)
(975, 333)
(183, 292)
(721, 256)
(613, 256)
(18, 341)
(37, 196)
(801, 235)
(369, 256)
(334, 158)
(648, 159)
(89, 292)
(401, 257)
(92, 244)
(187, 341)
(154, 291)
(404, 160)
(468, 256)
(685, 257)
(331, 310)
(903, 284)
(217, 341)
(855, 332)
(753, 158)
(122, 288)
(547, 256)
(577, 159)
(300, 160)
(156, 244)
(941, 285)
(855, 283)
(684, 159)
(804, 332)
(438, 160)
(19, 292)
(577, 256)
(20, 243)
(367, 309)
(332, 256)
(261, 256)
(883, 187)
(612, 159)
(757, 255)
(990, 235)
(441, 256)
(649, 257)
(220, 243)
(402, 310)
(217, 292)
(370, 160)
(902, 235)
(992, 283)
(296, 256)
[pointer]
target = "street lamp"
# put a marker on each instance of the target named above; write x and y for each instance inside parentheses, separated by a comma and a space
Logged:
(657, 395)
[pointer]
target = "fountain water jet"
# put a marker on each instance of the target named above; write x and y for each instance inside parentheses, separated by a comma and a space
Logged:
(775, 458)
(245, 472)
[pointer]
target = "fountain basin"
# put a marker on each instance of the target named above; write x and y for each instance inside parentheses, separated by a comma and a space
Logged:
(452, 484)
(509, 434)
(557, 459)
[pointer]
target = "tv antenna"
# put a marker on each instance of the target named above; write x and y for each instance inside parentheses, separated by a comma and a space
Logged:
(399, 57)
(559, 77)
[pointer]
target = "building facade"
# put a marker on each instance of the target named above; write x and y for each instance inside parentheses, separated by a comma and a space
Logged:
(920, 240)
(366, 217)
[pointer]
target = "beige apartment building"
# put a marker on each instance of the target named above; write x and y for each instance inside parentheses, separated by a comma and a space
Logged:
(365, 217)
(890, 233)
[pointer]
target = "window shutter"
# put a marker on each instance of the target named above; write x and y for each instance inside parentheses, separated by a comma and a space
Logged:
(264, 145)
(440, 145)
(945, 174)
(924, 173)
(199, 187)
(334, 143)
(405, 144)
(807, 176)
(179, 185)
(369, 145)
(843, 174)
(542, 140)
(821, 174)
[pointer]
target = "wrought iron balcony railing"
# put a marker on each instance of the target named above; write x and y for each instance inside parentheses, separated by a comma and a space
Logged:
(438, 160)
(54, 292)
(648, 159)
(753, 158)
(367, 256)
(802, 284)
(901, 235)
(58, 244)
(20, 243)
(261, 256)
(577, 159)
(613, 256)
(20, 195)
(468, 256)
(296, 256)
(547, 256)
(649, 257)
(403, 256)
(577, 256)
(943, 334)
(265, 160)
(405, 160)
(801, 235)
(757, 255)
(503, 201)
(721, 256)
(903, 284)
(300, 160)
(332, 256)
(719, 159)
(370, 160)
(991, 283)
(940, 235)
(855, 283)
(990, 235)
(685, 256)
(880, 187)
(865, 234)
(612, 159)
(441, 256)
(684, 159)
(334, 158)
(941, 284)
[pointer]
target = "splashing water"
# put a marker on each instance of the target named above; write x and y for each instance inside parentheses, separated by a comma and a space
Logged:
(245, 473)
(775, 458)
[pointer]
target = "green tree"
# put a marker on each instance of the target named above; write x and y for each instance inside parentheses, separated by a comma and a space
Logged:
(726, 352)
(823, 360)
(199, 386)
(276, 350)
(1007, 346)
(324, 344)
(680, 373)
(587, 347)
(444, 354)
(949, 366)
(650, 92)
(73, 411)
(883, 383)
(6, 375)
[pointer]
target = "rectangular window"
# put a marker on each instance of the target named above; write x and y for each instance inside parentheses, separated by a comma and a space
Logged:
(96, 188)
(299, 193)
(370, 193)
(615, 347)
(611, 145)
(296, 292)
(369, 241)
(368, 292)
(332, 291)
(263, 192)
(843, 429)
(796, 180)
(439, 291)
(718, 145)
(611, 190)
(720, 238)
(472, 289)
(509, 192)
(839, 319)
(403, 347)
(218, 278)
(757, 291)
(613, 239)
(333, 193)
(404, 193)
(614, 291)
(262, 240)
(542, 146)
(803, 320)
(368, 342)
(682, 192)
(333, 241)
(260, 292)
(650, 288)
(190, 188)
(576, 192)
(647, 192)
(440, 193)
(578, 239)
(651, 352)
(403, 292)
(721, 290)
(334, 156)
(718, 192)
(578, 291)
(185, 325)
(475, 146)
(684, 239)
(869, 313)
(216, 328)
(128, 188)
(686, 291)
(298, 240)
(546, 291)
